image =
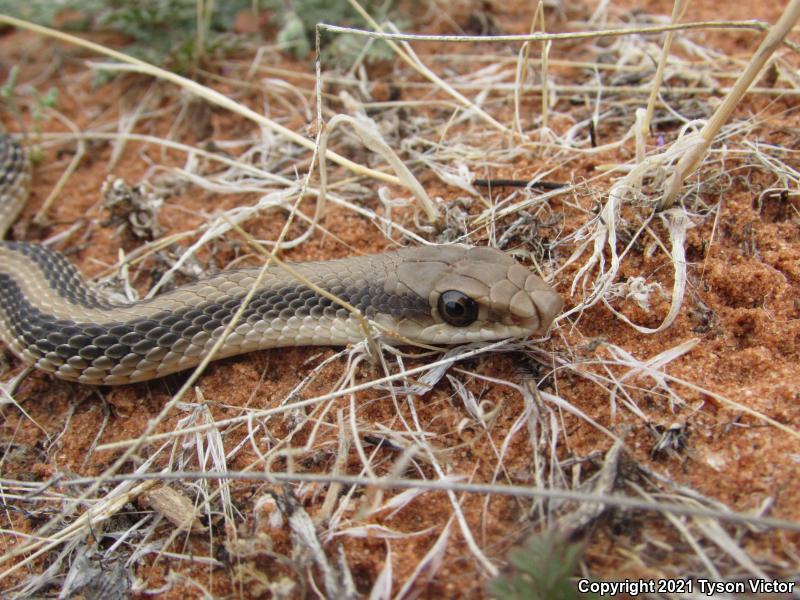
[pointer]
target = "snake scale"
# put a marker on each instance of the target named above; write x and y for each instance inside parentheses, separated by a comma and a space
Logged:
(55, 320)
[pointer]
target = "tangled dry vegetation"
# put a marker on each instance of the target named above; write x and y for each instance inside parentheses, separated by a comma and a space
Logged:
(657, 424)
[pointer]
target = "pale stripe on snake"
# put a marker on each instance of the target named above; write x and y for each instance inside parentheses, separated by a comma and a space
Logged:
(52, 318)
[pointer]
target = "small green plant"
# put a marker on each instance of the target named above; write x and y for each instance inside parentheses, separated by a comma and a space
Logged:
(8, 95)
(176, 33)
(179, 33)
(300, 18)
(541, 569)
(173, 33)
(39, 11)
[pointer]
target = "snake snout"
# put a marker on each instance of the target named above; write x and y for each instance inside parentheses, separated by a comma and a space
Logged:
(548, 304)
(527, 300)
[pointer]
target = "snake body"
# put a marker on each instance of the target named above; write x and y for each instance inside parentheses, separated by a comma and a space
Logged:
(52, 318)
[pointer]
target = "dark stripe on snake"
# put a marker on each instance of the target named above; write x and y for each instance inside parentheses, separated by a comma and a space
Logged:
(80, 344)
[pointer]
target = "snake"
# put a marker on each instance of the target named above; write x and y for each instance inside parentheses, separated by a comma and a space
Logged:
(52, 318)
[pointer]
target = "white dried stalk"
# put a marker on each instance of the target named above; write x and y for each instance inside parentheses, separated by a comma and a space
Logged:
(699, 143)
(370, 136)
(678, 10)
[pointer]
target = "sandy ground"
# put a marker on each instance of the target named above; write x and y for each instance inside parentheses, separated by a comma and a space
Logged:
(741, 309)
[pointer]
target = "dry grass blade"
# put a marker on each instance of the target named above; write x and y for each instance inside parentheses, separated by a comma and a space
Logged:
(447, 485)
(678, 10)
(698, 144)
(129, 63)
(176, 508)
(409, 57)
(370, 136)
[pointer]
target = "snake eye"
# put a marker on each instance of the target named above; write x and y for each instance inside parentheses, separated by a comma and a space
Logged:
(457, 308)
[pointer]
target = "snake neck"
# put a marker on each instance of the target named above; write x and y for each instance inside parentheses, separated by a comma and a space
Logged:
(56, 320)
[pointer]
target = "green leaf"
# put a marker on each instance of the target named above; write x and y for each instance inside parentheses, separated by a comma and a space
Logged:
(542, 569)
(293, 35)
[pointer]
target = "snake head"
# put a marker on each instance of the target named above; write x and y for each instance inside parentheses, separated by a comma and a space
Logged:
(474, 294)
